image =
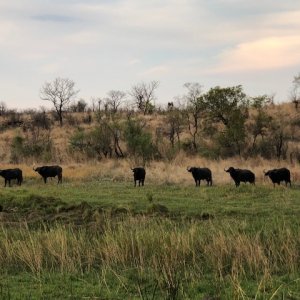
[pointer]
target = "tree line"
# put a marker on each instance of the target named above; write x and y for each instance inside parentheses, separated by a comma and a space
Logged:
(222, 122)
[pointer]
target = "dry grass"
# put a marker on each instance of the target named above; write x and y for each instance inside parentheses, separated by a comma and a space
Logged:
(173, 252)
(164, 172)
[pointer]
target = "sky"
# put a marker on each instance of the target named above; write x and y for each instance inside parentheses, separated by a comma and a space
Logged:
(112, 45)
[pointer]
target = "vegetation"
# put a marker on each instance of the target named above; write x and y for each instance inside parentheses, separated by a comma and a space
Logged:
(217, 124)
(97, 237)
(114, 241)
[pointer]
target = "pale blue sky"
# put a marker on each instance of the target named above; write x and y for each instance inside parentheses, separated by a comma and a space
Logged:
(104, 45)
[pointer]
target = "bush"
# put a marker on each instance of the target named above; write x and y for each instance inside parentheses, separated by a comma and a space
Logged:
(40, 148)
(139, 142)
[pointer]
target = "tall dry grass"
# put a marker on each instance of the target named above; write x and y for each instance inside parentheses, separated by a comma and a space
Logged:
(165, 172)
(173, 252)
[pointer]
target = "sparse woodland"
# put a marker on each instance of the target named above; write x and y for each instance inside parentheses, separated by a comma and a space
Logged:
(219, 124)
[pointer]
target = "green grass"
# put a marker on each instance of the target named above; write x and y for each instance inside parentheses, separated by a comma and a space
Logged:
(245, 201)
(173, 242)
(259, 202)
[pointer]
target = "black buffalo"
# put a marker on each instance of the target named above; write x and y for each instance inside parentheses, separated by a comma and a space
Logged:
(241, 175)
(278, 175)
(50, 171)
(139, 175)
(201, 174)
(10, 174)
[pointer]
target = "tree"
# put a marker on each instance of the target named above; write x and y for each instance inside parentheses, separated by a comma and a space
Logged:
(3, 108)
(230, 107)
(194, 109)
(115, 99)
(60, 92)
(221, 103)
(174, 120)
(139, 142)
(260, 120)
(143, 95)
(295, 93)
(97, 142)
(79, 106)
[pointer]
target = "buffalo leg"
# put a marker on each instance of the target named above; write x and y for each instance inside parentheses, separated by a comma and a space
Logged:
(5, 182)
(45, 179)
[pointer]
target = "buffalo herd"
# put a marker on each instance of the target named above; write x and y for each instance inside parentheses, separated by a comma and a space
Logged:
(238, 175)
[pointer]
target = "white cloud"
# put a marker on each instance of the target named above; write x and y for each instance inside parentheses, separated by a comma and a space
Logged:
(262, 54)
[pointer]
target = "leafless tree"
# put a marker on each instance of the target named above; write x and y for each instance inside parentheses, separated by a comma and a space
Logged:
(115, 99)
(143, 95)
(60, 92)
(96, 104)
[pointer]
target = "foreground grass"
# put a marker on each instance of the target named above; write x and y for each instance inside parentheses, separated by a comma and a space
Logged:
(149, 243)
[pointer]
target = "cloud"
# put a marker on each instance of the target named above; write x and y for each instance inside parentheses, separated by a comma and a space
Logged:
(263, 54)
(119, 42)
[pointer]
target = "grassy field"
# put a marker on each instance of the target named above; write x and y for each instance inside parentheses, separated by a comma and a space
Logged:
(103, 239)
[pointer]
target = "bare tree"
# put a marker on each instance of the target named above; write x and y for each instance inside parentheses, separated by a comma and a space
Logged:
(115, 99)
(95, 104)
(60, 92)
(143, 95)
(295, 93)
